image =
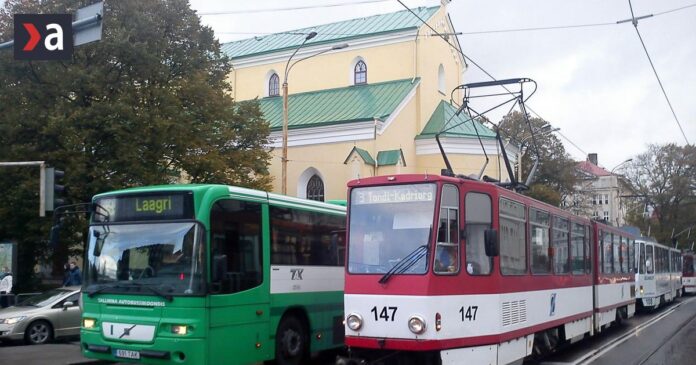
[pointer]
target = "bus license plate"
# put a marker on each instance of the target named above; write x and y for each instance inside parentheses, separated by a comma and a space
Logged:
(128, 354)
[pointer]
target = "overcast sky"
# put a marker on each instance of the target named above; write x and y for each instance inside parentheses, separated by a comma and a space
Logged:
(595, 83)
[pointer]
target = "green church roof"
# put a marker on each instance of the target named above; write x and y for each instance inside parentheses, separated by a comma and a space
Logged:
(390, 157)
(355, 103)
(462, 125)
(342, 31)
(366, 157)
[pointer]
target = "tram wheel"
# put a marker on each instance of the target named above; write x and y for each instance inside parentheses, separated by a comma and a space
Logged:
(292, 342)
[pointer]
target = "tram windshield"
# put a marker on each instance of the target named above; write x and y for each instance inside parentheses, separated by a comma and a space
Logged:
(689, 265)
(387, 225)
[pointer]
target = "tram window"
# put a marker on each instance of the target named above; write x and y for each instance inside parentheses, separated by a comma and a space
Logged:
(577, 248)
(607, 254)
(649, 259)
(513, 251)
(641, 258)
(617, 253)
(235, 231)
(624, 254)
(588, 251)
(632, 256)
(688, 265)
(539, 224)
(478, 220)
(560, 245)
(447, 249)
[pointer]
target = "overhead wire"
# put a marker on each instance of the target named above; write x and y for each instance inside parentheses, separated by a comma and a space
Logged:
(248, 11)
(477, 65)
(676, 119)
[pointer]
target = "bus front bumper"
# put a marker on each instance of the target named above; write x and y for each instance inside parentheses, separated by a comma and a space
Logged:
(161, 351)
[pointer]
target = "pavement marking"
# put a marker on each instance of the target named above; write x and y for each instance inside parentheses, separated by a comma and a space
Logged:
(595, 354)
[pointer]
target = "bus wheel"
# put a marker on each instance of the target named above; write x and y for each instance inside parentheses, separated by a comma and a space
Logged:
(291, 342)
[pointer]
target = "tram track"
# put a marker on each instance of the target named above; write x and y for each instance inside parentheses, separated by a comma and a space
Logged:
(595, 354)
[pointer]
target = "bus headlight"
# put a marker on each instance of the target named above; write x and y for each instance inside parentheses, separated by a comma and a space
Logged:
(88, 322)
(354, 321)
(416, 324)
(179, 329)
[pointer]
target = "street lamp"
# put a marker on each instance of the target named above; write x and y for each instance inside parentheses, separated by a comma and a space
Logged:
(288, 67)
(617, 166)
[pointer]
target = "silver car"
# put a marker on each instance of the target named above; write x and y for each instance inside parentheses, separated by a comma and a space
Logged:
(43, 317)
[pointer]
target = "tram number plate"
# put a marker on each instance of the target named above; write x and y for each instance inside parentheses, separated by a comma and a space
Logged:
(128, 354)
(386, 313)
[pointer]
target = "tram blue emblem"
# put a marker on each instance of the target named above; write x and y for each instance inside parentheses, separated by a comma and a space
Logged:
(552, 309)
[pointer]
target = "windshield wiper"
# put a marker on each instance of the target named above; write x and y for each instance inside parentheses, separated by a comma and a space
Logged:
(103, 287)
(406, 263)
(167, 297)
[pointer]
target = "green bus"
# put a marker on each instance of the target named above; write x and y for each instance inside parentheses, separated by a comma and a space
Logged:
(212, 274)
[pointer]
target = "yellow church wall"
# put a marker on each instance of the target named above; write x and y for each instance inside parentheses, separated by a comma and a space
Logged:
(433, 51)
(331, 70)
(462, 164)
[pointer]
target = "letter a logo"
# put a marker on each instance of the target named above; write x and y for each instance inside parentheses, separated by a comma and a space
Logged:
(43, 37)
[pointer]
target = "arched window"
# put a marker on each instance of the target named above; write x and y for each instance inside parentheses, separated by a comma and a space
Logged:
(273, 85)
(360, 73)
(441, 79)
(315, 189)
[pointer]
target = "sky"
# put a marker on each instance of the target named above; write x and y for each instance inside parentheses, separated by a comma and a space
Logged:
(594, 83)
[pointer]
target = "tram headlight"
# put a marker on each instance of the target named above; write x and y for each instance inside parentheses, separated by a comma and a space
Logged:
(354, 321)
(416, 324)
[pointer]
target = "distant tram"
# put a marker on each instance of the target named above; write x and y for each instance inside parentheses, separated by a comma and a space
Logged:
(688, 277)
(659, 276)
(442, 270)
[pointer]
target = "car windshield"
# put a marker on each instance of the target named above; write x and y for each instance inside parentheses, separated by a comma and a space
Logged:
(166, 257)
(388, 224)
(44, 299)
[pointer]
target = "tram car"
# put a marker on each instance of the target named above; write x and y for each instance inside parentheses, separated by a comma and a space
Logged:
(659, 275)
(441, 269)
(688, 268)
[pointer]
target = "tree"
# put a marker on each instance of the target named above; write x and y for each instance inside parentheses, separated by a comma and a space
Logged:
(555, 178)
(664, 176)
(148, 104)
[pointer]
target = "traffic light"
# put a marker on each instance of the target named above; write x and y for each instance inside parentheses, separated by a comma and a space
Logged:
(53, 189)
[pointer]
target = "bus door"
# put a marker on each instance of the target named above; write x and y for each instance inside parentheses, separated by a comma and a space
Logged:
(239, 300)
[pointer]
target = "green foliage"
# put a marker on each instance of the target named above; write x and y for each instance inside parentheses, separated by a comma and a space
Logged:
(555, 178)
(148, 104)
(665, 178)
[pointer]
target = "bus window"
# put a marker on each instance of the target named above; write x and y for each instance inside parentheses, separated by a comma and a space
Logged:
(539, 225)
(235, 232)
(300, 237)
(513, 251)
(478, 220)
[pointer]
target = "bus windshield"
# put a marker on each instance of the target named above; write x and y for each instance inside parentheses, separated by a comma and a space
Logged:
(387, 224)
(160, 258)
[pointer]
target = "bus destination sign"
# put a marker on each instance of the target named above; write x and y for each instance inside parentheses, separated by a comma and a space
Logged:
(144, 207)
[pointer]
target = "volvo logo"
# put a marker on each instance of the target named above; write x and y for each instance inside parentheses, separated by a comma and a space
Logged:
(126, 331)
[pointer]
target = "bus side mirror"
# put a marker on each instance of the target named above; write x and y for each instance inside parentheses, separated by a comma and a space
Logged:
(491, 242)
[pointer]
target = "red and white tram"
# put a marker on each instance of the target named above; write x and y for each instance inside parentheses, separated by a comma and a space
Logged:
(442, 270)
(688, 276)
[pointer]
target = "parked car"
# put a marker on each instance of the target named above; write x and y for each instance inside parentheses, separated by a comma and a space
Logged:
(43, 317)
